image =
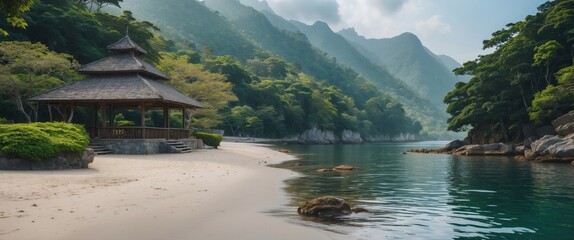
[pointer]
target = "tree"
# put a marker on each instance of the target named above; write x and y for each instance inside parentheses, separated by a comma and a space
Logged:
(29, 68)
(555, 100)
(97, 5)
(240, 117)
(545, 55)
(211, 89)
(12, 10)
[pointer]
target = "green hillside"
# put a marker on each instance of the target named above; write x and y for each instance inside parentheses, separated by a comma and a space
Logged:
(405, 57)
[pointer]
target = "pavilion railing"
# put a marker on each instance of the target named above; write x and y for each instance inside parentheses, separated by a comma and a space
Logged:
(138, 133)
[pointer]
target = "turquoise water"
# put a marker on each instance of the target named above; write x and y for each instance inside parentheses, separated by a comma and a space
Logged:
(426, 196)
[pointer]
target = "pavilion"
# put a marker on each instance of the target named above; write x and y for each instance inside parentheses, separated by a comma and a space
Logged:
(124, 81)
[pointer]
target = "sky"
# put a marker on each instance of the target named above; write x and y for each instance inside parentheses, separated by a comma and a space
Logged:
(452, 27)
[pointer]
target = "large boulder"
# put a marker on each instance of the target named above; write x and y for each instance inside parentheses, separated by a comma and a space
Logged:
(554, 146)
(325, 207)
(566, 129)
(456, 144)
(545, 130)
(490, 149)
(540, 146)
(529, 140)
(563, 120)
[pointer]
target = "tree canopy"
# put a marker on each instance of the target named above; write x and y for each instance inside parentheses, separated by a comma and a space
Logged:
(526, 80)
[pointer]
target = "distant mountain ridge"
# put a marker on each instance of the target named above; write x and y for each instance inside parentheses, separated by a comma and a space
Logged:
(323, 38)
(406, 58)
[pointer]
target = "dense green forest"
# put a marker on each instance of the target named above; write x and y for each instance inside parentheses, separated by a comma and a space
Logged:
(526, 82)
(250, 91)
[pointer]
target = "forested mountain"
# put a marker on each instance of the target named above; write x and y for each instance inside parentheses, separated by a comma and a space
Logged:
(528, 79)
(334, 48)
(451, 65)
(405, 57)
(251, 87)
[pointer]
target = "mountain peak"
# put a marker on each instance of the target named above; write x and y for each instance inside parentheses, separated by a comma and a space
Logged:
(409, 37)
(351, 34)
(321, 25)
(259, 5)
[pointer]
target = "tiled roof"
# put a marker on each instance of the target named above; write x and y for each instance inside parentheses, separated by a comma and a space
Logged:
(126, 44)
(124, 63)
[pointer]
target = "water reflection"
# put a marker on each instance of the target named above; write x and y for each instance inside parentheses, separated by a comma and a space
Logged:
(435, 196)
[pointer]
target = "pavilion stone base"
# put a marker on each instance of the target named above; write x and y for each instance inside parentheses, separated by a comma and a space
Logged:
(143, 146)
(63, 161)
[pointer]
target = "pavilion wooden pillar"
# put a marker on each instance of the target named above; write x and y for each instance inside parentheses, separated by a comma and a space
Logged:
(166, 120)
(104, 109)
(142, 119)
(182, 118)
(96, 128)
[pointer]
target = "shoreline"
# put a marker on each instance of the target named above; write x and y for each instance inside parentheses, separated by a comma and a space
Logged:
(206, 194)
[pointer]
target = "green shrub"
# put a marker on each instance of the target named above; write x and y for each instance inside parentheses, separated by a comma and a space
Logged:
(4, 121)
(39, 141)
(209, 139)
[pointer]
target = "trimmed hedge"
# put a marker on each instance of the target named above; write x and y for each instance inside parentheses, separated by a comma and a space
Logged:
(210, 139)
(39, 141)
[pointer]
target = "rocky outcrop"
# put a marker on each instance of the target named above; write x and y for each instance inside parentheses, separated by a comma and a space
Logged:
(459, 148)
(318, 136)
(315, 135)
(554, 146)
(63, 161)
(564, 125)
(402, 137)
(486, 149)
(563, 120)
(456, 144)
(325, 207)
(349, 136)
(557, 147)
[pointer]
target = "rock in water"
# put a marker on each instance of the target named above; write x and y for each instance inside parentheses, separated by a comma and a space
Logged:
(345, 168)
(325, 207)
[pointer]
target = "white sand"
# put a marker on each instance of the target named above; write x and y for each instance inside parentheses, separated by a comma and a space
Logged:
(207, 194)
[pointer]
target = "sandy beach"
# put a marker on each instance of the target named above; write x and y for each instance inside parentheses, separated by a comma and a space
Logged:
(207, 194)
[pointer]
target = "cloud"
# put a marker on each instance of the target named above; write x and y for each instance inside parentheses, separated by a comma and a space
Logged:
(386, 6)
(432, 26)
(308, 11)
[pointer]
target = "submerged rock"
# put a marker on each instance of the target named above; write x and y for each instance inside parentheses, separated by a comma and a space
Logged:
(325, 207)
(321, 170)
(345, 168)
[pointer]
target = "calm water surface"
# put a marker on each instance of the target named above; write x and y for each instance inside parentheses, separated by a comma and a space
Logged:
(425, 196)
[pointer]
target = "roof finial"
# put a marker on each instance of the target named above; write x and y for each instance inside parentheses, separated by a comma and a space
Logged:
(128, 30)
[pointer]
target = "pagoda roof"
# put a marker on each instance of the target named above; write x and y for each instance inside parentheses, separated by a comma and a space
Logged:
(122, 63)
(126, 44)
(116, 88)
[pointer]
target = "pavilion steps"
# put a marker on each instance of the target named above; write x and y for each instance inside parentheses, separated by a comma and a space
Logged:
(178, 146)
(99, 149)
